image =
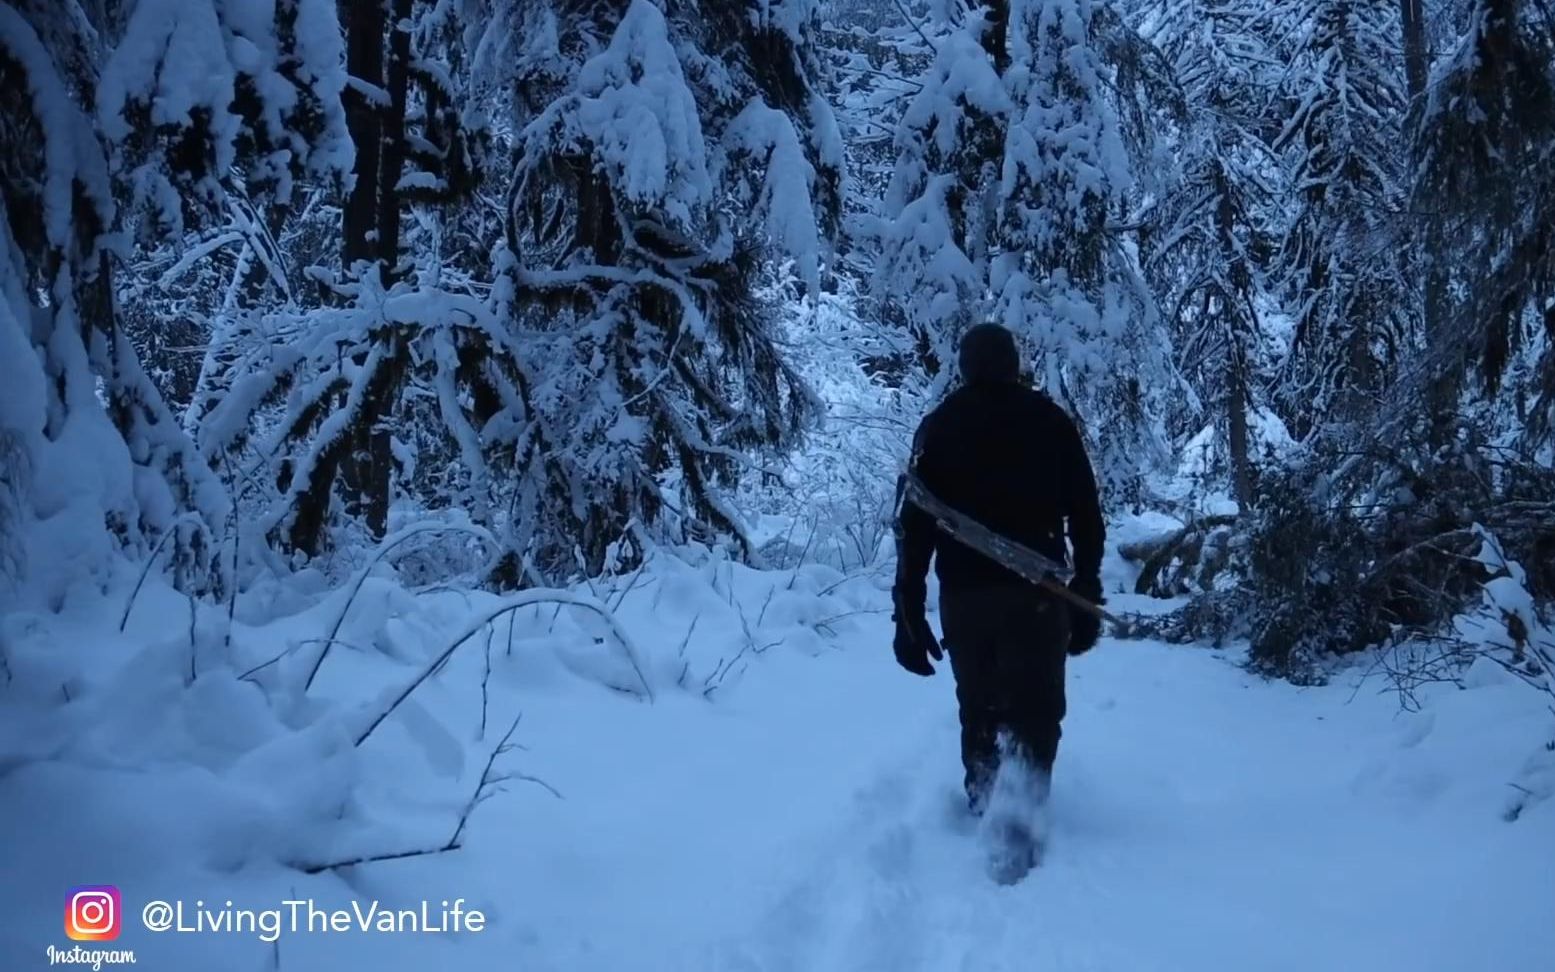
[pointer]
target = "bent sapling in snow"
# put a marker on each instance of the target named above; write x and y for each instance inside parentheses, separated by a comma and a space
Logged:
(371, 716)
(385, 547)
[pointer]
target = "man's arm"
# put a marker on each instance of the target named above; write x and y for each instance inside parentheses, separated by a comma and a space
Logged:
(914, 642)
(916, 530)
(1082, 502)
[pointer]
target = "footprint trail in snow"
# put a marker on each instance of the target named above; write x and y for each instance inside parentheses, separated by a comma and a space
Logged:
(1200, 818)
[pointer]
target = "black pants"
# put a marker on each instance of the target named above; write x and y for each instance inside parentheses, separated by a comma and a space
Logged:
(1007, 650)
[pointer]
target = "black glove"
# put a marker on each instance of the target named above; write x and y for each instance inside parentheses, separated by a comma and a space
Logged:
(915, 640)
(1084, 627)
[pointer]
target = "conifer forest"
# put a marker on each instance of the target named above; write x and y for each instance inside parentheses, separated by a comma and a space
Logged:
(380, 375)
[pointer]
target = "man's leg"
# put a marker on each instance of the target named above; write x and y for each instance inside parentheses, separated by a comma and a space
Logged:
(1031, 657)
(1029, 638)
(971, 642)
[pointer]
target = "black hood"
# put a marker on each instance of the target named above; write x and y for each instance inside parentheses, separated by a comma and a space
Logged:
(988, 355)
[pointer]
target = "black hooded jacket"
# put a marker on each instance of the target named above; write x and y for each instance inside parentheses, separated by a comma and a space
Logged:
(1011, 458)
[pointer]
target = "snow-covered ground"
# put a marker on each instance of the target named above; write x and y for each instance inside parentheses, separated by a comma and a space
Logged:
(804, 816)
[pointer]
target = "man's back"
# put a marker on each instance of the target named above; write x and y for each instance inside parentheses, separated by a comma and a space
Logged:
(1009, 457)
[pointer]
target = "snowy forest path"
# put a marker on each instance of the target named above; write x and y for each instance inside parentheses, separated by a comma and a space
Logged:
(1202, 818)
(808, 817)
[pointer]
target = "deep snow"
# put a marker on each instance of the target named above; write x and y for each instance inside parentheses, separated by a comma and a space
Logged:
(804, 817)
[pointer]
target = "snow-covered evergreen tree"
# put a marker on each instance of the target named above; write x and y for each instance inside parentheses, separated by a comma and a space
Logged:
(666, 160)
(942, 205)
(95, 459)
(1064, 279)
(330, 388)
(293, 391)
(201, 98)
(1341, 262)
(1011, 174)
(875, 55)
(1485, 137)
(1209, 247)
(222, 117)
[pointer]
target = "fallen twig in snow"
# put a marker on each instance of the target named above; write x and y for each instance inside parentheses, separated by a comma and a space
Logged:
(765, 604)
(372, 859)
(1409, 665)
(828, 622)
(484, 786)
(852, 575)
(681, 652)
(486, 679)
(306, 641)
(487, 786)
(685, 666)
(715, 678)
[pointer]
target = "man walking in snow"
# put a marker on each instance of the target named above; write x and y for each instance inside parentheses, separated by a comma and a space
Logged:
(1010, 458)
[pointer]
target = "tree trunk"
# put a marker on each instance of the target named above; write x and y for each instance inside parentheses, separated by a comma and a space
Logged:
(996, 42)
(1416, 63)
(1442, 395)
(370, 231)
(375, 452)
(1237, 392)
(1236, 418)
(363, 20)
(392, 132)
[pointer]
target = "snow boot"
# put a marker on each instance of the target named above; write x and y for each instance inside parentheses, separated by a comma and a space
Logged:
(1013, 850)
(1015, 821)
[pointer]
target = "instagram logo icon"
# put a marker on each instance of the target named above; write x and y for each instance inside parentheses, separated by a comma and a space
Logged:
(92, 913)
